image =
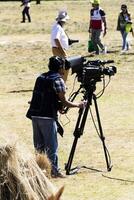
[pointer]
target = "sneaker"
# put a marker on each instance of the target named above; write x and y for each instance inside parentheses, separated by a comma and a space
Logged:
(58, 175)
(104, 51)
(128, 48)
(123, 51)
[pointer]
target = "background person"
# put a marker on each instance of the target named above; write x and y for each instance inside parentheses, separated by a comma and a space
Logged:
(38, 1)
(97, 20)
(124, 25)
(59, 39)
(48, 90)
(25, 12)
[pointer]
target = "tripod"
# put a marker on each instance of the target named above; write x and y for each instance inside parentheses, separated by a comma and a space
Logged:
(80, 124)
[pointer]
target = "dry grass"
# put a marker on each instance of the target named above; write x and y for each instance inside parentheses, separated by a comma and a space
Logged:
(22, 178)
(44, 163)
(24, 53)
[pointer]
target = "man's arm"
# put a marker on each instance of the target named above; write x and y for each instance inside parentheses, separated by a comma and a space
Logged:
(103, 17)
(69, 104)
(89, 28)
(105, 25)
(23, 2)
(59, 87)
(132, 32)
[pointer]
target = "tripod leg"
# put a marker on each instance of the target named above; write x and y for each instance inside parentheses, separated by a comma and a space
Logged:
(101, 134)
(70, 159)
(77, 133)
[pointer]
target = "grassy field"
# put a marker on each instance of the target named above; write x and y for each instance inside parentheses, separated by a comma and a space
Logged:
(24, 53)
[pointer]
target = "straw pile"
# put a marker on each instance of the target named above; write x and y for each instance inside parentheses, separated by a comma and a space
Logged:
(23, 179)
(44, 163)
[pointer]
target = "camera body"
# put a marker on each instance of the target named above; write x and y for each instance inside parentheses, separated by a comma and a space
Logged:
(88, 71)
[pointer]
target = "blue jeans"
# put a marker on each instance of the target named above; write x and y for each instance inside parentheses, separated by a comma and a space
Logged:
(45, 139)
(125, 44)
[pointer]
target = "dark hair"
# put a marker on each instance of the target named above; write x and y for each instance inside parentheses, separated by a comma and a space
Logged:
(56, 63)
(124, 6)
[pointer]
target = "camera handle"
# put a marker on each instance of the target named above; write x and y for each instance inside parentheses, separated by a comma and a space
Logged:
(79, 128)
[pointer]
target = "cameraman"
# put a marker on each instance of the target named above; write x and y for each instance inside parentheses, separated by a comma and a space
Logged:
(49, 89)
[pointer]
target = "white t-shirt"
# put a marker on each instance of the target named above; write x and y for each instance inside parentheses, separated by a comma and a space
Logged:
(59, 33)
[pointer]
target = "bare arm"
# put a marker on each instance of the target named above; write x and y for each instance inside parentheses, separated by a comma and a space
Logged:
(22, 3)
(132, 32)
(67, 103)
(105, 25)
(89, 29)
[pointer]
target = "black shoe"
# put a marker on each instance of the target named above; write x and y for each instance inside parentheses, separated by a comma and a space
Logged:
(58, 175)
(22, 21)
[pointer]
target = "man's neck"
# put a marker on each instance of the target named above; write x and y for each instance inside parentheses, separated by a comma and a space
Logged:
(61, 23)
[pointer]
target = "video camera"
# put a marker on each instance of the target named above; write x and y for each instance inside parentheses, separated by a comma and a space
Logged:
(88, 71)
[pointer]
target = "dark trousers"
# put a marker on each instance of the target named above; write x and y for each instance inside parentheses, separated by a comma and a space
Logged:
(25, 13)
(95, 37)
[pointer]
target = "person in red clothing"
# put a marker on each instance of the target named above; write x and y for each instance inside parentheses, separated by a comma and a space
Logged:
(97, 21)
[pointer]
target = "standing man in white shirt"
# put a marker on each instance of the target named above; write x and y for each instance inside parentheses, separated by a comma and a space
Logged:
(59, 39)
(25, 12)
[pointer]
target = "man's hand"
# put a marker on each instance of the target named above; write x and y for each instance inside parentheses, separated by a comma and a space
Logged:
(82, 104)
(62, 111)
(89, 30)
(132, 33)
(104, 33)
